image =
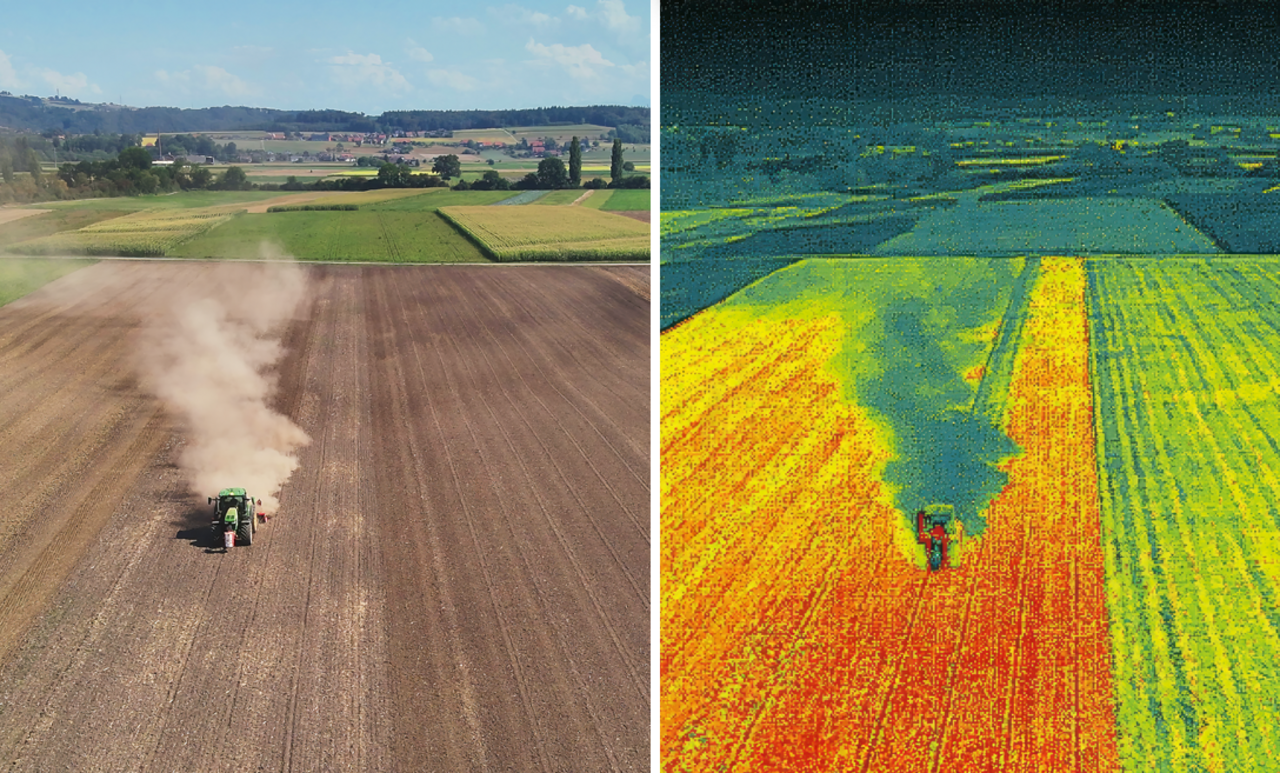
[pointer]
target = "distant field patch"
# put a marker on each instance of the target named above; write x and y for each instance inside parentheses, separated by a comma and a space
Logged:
(484, 135)
(1010, 161)
(552, 233)
(19, 277)
(365, 235)
(561, 134)
(361, 198)
(8, 215)
(54, 221)
(627, 200)
(523, 197)
(183, 200)
(1243, 222)
(559, 198)
(151, 233)
(297, 198)
(435, 198)
(1055, 227)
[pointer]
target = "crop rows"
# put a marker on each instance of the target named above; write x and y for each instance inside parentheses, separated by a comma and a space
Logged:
(314, 208)
(546, 233)
(150, 233)
(1187, 371)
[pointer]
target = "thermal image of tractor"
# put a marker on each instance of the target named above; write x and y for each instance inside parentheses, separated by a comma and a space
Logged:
(932, 531)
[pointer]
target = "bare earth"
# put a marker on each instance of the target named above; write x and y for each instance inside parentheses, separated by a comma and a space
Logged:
(634, 214)
(458, 575)
(9, 214)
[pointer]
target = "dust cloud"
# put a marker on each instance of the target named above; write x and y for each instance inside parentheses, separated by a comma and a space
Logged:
(209, 355)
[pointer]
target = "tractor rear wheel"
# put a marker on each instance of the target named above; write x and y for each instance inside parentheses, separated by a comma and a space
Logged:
(244, 535)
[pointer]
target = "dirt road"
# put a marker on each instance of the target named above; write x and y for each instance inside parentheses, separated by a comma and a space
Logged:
(457, 577)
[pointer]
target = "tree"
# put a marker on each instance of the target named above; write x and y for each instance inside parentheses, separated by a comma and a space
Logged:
(234, 179)
(447, 166)
(575, 163)
(393, 176)
(615, 164)
(491, 181)
(33, 166)
(6, 166)
(201, 177)
(134, 158)
(552, 174)
(627, 166)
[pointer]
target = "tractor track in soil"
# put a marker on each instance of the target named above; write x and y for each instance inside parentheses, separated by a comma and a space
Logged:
(457, 576)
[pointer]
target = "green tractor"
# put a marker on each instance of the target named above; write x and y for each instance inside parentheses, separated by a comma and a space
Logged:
(234, 516)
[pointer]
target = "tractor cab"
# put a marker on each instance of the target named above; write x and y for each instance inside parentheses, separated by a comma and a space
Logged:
(233, 512)
(933, 531)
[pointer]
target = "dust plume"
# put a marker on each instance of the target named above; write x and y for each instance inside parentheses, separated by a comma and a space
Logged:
(209, 355)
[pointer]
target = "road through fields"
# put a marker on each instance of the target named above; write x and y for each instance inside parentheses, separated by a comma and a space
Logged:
(457, 576)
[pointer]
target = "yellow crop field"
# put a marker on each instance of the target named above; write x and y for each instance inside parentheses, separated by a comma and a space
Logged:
(551, 233)
(149, 233)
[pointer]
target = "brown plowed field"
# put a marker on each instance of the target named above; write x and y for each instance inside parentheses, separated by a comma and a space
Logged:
(457, 578)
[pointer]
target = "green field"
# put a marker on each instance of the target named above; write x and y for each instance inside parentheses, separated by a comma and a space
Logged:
(183, 200)
(150, 233)
(1075, 226)
(552, 233)
(1186, 372)
(19, 276)
(410, 236)
(559, 133)
(484, 135)
(625, 201)
(441, 197)
(52, 222)
(560, 198)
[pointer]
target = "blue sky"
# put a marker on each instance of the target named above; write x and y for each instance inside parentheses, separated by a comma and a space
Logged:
(364, 57)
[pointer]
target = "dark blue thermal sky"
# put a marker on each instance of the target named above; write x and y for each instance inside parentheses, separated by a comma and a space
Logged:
(1006, 49)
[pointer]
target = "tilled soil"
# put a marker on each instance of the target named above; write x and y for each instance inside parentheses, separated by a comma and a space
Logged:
(457, 578)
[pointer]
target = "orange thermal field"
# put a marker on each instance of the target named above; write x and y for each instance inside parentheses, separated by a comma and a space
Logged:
(796, 634)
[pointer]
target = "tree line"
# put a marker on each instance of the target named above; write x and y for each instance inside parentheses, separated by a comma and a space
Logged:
(30, 113)
(552, 174)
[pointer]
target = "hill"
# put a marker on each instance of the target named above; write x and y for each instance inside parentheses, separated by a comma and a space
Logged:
(38, 114)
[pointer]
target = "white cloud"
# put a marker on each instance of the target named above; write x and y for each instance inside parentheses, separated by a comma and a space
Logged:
(454, 24)
(207, 78)
(453, 79)
(218, 79)
(8, 75)
(614, 16)
(417, 52)
(583, 62)
(519, 15)
(354, 70)
(251, 56)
